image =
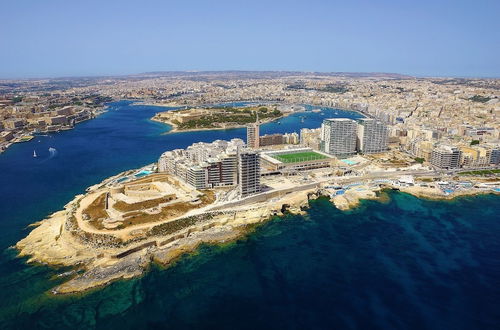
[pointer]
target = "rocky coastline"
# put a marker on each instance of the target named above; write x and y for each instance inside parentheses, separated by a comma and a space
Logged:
(103, 258)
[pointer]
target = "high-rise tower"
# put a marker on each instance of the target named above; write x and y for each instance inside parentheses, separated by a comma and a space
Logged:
(253, 134)
(248, 172)
(372, 136)
(338, 137)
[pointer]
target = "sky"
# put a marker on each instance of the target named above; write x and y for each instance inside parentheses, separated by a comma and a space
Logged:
(56, 38)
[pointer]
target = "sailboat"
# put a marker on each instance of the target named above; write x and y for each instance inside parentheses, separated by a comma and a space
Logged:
(34, 154)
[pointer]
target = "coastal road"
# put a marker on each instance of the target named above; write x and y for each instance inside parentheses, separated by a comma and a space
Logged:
(379, 175)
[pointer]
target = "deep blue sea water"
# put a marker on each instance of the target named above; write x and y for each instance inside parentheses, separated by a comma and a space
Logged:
(406, 263)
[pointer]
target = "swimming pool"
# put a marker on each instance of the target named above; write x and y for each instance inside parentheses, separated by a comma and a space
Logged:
(142, 173)
(349, 162)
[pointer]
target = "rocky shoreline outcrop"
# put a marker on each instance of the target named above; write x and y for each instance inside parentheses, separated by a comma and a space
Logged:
(104, 258)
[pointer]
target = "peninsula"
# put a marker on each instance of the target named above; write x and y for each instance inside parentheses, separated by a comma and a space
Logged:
(121, 225)
(221, 117)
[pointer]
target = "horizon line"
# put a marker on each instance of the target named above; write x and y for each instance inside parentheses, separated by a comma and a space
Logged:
(365, 73)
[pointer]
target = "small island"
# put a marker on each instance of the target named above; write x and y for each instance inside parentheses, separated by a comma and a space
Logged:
(226, 117)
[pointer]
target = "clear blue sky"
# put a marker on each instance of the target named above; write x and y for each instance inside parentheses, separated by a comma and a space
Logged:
(47, 38)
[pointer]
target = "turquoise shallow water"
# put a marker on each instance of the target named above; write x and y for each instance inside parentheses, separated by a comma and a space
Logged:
(404, 264)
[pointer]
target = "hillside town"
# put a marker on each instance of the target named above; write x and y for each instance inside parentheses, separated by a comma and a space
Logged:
(25, 114)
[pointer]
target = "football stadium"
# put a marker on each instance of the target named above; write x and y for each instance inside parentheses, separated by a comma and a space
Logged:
(295, 159)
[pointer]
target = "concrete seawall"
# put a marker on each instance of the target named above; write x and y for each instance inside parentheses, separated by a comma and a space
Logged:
(265, 196)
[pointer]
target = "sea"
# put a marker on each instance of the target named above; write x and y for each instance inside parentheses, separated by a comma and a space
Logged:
(397, 263)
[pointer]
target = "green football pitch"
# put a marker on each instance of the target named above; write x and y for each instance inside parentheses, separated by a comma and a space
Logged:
(298, 157)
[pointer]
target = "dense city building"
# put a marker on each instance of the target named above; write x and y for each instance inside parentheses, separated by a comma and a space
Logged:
(277, 139)
(217, 164)
(291, 138)
(495, 156)
(204, 165)
(310, 137)
(446, 157)
(474, 156)
(270, 139)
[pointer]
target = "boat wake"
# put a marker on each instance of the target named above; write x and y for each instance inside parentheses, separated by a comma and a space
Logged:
(53, 152)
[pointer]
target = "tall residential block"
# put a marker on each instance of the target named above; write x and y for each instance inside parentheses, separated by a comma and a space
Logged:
(495, 156)
(248, 172)
(372, 136)
(338, 137)
(446, 157)
(253, 135)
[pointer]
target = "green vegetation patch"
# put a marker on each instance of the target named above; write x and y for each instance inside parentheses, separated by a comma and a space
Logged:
(299, 157)
(239, 116)
(479, 173)
(177, 225)
(330, 88)
(480, 98)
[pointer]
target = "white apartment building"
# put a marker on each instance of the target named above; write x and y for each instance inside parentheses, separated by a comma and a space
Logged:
(372, 136)
(338, 137)
(291, 138)
(216, 164)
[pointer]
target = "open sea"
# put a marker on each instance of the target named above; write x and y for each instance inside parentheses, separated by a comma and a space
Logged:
(400, 263)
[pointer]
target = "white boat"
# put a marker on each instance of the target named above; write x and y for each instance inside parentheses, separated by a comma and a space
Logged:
(34, 154)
